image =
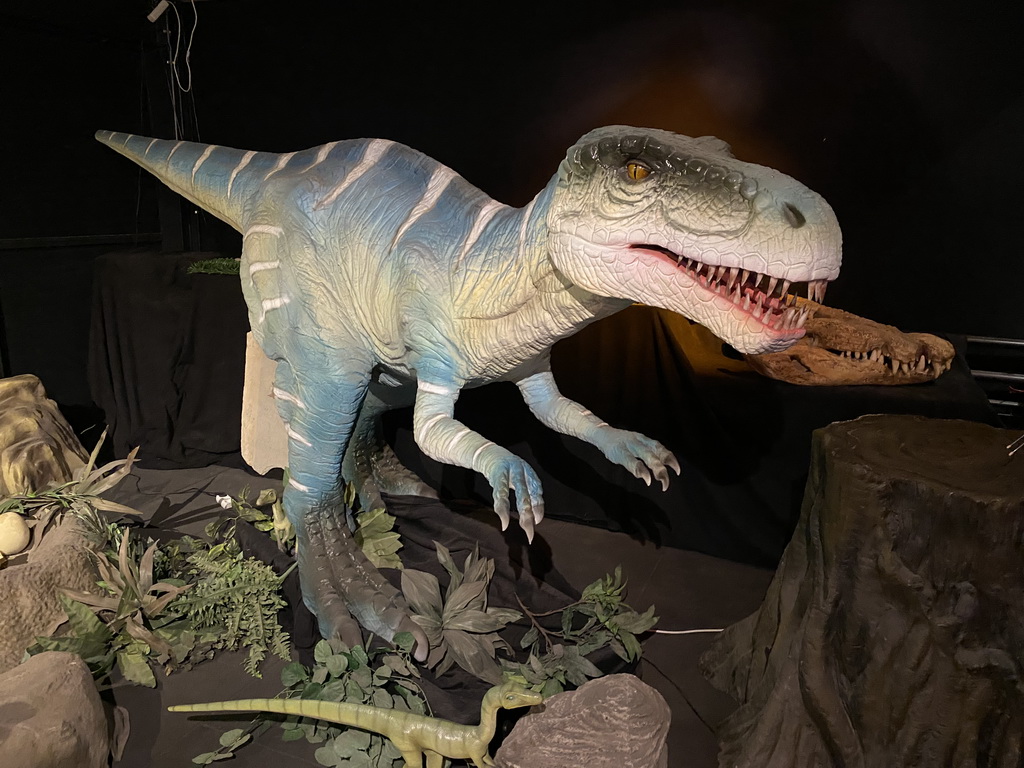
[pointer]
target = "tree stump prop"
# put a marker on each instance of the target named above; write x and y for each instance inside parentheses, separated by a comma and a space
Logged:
(893, 632)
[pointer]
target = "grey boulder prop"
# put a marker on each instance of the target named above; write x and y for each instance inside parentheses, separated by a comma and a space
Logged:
(37, 446)
(893, 632)
(51, 715)
(616, 721)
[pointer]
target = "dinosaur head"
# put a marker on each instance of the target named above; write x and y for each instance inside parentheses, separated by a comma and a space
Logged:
(513, 695)
(679, 223)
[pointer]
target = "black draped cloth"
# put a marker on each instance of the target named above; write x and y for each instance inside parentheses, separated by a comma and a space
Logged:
(167, 365)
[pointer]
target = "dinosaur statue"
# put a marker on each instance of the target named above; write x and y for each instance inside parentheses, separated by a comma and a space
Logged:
(843, 349)
(415, 736)
(377, 278)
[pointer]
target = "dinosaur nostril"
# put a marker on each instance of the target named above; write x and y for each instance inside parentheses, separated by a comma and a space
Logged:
(793, 215)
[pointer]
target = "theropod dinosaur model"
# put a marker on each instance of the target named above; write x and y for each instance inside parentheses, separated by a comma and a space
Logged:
(377, 277)
(415, 736)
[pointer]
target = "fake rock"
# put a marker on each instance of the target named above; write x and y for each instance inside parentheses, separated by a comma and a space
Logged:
(31, 591)
(616, 721)
(37, 446)
(51, 715)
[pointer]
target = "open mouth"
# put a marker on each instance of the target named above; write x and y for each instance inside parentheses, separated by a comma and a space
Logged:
(770, 300)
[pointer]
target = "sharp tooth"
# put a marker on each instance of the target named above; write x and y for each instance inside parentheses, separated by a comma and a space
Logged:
(733, 272)
(922, 364)
(785, 288)
(744, 274)
(821, 291)
(757, 311)
(801, 318)
(746, 303)
(719, 272)
(904, 367)
(874, 355)
(772, 283)
(895, 365)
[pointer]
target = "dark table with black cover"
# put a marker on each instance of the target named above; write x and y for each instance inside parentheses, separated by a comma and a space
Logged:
(167, 365)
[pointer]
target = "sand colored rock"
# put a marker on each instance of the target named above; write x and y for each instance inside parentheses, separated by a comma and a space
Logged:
(37, 446)
(616, 721)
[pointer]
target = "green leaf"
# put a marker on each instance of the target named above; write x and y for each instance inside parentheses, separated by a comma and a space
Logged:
(320, 675)
(228, 738)
(333, 691)
(293, 673)
(327, 756)
(358, 657)
(292, 734)
(135, 667)
(404, 641)
(83, 622)
(381, 699)
(531, 636)
(337, 664)
(322, 651)
(204, 759)
(631, 644)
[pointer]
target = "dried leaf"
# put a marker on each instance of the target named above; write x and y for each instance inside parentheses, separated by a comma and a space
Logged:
(422, 592)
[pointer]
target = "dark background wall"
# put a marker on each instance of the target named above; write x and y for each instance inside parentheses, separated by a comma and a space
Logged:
(905, 116)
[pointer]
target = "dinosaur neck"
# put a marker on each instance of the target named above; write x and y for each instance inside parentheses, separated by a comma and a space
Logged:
(488, 717)
(533, 296)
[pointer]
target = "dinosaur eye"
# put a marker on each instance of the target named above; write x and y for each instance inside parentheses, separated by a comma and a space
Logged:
(636, 171)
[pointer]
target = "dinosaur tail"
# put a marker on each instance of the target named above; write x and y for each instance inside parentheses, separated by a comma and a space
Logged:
(342, 712)
(205, 174)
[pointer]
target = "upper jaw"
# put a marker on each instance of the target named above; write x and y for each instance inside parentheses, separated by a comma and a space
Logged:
(753, 297)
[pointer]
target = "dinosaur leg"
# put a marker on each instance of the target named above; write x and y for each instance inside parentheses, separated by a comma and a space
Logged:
(370, 463)
(434, 759)
(641, 455)
(320, 406)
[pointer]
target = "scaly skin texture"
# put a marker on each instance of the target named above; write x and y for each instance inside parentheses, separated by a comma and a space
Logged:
(415, 736)
(377, 277)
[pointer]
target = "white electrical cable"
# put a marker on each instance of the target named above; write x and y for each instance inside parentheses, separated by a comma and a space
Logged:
(685, 631)
(188, 48)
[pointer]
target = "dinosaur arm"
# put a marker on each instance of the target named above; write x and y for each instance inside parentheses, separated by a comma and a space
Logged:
(445, 439)
(640, 455)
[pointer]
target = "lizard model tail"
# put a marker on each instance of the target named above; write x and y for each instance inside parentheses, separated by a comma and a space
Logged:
(342, 712)
(215, 178)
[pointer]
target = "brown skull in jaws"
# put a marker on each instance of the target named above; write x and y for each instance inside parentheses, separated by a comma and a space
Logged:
(842, 349)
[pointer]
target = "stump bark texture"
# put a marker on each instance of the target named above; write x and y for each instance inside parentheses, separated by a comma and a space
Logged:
(893, 632)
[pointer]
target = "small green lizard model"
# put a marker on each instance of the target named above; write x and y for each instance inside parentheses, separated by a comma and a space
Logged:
(414, 735)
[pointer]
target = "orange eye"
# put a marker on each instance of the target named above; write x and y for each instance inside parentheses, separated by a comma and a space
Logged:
(637, 172)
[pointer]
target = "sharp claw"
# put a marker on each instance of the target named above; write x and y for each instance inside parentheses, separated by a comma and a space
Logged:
(662, 475)
(526, 521)
(538, 512)
(674, 464)
(642, 472)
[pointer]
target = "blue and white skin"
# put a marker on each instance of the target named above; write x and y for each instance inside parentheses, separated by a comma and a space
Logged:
(377, 277)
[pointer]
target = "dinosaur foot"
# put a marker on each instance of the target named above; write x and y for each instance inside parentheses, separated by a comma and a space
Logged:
(344, 590)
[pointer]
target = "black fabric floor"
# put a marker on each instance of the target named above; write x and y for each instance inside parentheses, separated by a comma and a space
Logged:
(689, 591)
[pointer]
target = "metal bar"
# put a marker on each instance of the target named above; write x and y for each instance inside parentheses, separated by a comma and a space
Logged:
(74, 241)
(995, 341)
(1016, 378)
